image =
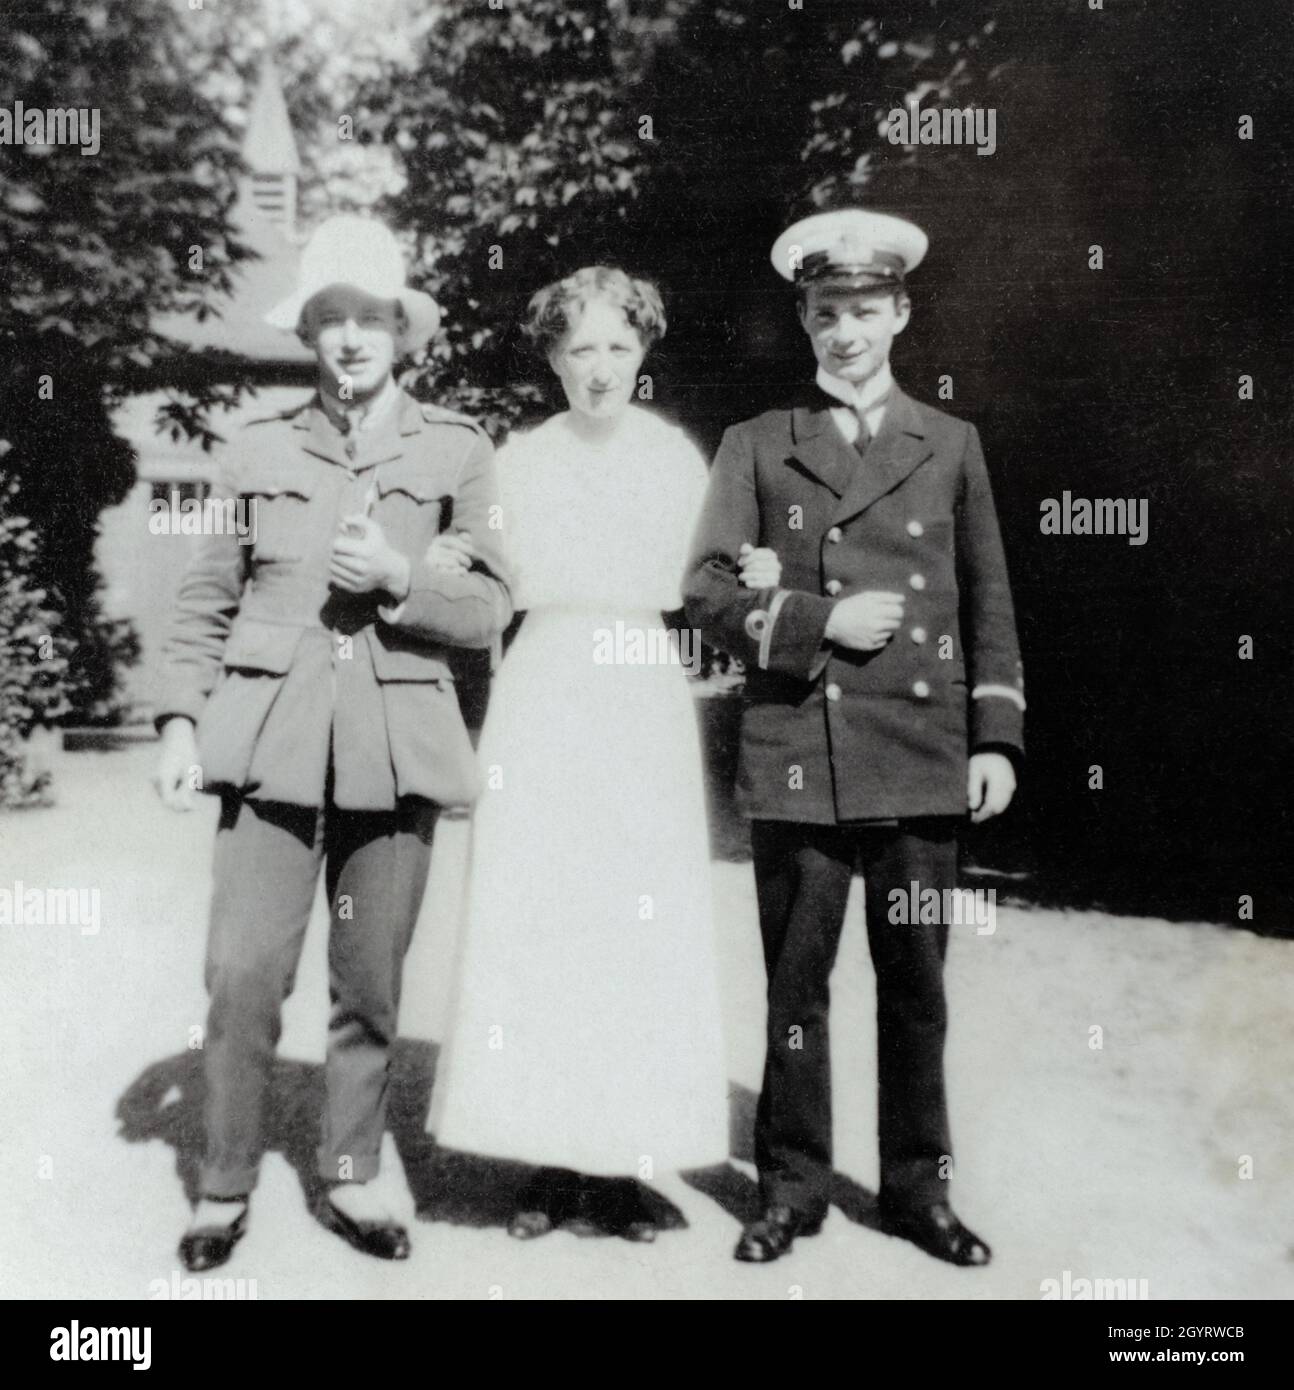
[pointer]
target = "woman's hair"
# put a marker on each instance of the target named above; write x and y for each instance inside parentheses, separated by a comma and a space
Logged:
(554, 308)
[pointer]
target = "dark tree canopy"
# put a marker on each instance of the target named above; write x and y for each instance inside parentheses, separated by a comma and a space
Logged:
(94, 247)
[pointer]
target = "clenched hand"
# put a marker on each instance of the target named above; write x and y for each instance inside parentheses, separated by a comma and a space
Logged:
(865, 622)
(452, 551)
(990, 785)
(759, 567)
(176, 760)
(363, 559)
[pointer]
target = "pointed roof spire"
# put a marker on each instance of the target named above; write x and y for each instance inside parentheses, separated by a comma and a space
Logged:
(269, 146)
(265, 220)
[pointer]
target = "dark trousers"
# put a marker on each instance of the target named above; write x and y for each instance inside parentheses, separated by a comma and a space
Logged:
(266, 867)
(802, 875)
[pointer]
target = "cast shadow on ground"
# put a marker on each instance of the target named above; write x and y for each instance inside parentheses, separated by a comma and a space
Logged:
(738, 1195)
(165, 1102)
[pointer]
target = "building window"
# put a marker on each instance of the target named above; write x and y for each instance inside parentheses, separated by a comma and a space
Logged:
(188, 490)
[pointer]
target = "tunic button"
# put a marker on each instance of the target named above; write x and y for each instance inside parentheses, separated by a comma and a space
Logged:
(834, 534)
(918, 581)
(915, 528)
(833, 691)
(921, 689)
(918, 635)
(834, 586)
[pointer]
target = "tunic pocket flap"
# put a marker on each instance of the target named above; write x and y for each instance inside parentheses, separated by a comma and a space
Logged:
(268, 481)
(255, 646)
(400, 662)
(418, 481)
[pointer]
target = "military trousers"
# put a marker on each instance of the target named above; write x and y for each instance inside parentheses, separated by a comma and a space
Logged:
(802, 877)
(267, 861)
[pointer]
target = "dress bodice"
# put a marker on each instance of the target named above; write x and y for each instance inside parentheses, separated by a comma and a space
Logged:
(603, 525)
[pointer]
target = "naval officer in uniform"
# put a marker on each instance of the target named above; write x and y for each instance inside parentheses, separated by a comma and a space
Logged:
(884, 706)
(308, 679)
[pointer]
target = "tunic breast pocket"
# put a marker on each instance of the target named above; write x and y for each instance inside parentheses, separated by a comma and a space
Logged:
(278, 503)
(416, 504)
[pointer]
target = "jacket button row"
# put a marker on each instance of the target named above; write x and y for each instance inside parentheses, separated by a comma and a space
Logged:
(833, 691)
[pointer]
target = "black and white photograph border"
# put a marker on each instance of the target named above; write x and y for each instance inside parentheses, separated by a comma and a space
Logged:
(272, 262)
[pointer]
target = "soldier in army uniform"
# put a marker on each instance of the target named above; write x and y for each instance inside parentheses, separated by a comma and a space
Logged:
(307, 679)
(884, 701)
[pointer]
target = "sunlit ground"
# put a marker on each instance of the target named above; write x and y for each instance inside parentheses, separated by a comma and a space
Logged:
(1118, 1161)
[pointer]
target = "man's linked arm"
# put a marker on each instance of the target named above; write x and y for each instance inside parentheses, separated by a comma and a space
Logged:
(469, 608)
(782, 630)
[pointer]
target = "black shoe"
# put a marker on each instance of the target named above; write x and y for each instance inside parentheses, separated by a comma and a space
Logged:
(207, 1247)
(772, 1234)
(384, 1240)
(937, 1231)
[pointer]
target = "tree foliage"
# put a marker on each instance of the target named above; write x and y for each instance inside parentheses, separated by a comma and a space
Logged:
(94, 247)
(517, 138)
(34, 654)
(669, 137)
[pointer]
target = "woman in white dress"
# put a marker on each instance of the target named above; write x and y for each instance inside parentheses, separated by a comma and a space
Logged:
(586, 1034)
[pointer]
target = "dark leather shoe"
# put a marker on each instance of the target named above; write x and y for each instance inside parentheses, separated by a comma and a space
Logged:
(772, 1234)
(207, 1247)
(937, 1231)
(384, 1240)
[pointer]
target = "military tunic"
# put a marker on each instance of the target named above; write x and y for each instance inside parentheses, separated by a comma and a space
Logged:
(281, 672)
(329, 724)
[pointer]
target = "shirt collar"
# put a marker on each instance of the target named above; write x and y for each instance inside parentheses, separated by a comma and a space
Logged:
(366, 416)
(862, 398)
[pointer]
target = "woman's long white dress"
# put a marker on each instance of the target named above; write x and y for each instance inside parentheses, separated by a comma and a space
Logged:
(586, 1030)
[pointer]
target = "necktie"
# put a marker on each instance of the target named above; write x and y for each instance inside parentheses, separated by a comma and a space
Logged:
(864, 434)
(860, 414)
(353, 418)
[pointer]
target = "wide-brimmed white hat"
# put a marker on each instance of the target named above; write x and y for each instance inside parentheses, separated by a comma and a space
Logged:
(363, 254)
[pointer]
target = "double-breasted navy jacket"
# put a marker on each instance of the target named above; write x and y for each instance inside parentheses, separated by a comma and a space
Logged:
(831, 735)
